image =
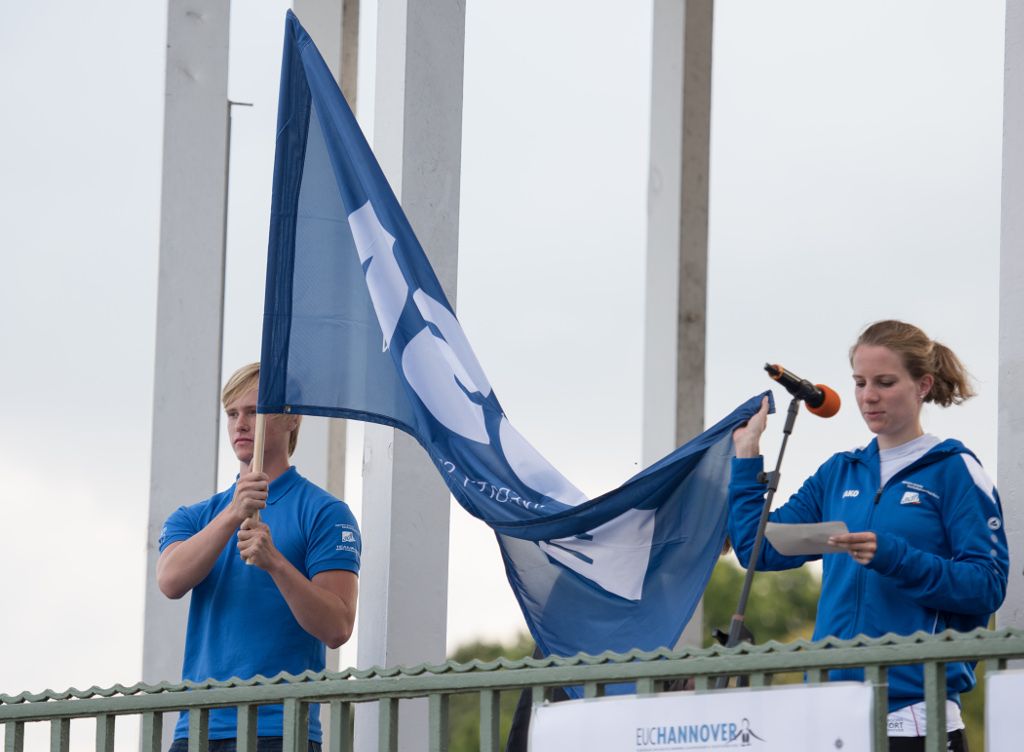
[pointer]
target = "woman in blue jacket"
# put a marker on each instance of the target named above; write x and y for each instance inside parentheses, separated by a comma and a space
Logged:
(927, 550)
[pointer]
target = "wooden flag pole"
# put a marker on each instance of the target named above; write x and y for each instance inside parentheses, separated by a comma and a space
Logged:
(256, 465)
(257, 451)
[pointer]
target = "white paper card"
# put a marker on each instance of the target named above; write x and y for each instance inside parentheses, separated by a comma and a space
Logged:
(801, 540)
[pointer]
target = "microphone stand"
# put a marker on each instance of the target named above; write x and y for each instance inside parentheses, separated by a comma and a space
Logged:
(737, 630)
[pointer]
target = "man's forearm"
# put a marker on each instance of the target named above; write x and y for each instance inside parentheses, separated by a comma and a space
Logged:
(185, 564)
(326, 615)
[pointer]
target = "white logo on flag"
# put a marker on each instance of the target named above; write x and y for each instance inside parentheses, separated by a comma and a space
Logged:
(384, 279)
(444, 373)
(911, 497)
(619, 552)
(441, 370)
(347, 536)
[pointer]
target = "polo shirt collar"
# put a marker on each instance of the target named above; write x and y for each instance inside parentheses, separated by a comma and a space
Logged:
(282, 484)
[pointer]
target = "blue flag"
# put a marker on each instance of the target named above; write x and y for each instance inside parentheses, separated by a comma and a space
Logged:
(357, 326)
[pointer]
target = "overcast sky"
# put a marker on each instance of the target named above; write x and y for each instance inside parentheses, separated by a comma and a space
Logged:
(855, 174)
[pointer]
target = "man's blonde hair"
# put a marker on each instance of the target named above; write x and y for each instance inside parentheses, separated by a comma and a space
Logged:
(244, 380)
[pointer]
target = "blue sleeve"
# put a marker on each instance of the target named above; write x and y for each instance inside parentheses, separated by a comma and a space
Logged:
(181, 525)
(746, 500)
(973, 580)
(334, 540)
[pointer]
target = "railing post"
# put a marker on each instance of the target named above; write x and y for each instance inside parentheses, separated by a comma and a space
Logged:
(60, 735)
(248, 716)
(817, 676)
(437, 716)
(295, 726)
(105, 733)
(14, 736)
(341, 726)
(760, 679)
(490, 712)
(198, 730)
(539, 694)
(388, 728)
(878, 677)
(152, 731)
(935, 706)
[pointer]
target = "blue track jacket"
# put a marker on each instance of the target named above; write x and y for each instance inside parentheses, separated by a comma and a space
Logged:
(941, 563)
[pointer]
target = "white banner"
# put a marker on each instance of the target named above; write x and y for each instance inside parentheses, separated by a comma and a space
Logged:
(1003, 693)
(790, 718)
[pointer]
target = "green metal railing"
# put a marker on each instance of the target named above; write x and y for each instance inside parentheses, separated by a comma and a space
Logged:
(652, 672)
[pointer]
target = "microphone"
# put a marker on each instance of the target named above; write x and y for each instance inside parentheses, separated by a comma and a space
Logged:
(820, 399)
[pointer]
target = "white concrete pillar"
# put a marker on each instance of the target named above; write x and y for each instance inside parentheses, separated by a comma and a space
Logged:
(322, 20)
(677, 233)
(1011, 315)
(190, 300)
(405, 511)
(334, 27)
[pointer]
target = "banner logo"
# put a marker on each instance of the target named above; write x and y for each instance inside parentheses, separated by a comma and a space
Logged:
(723, 735)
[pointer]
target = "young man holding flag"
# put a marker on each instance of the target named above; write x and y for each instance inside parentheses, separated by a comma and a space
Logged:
(272, 564)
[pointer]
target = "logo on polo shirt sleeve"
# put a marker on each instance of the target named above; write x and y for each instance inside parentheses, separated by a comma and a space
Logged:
(349, 535)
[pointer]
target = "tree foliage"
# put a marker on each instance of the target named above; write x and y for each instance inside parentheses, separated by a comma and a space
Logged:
(781, 606)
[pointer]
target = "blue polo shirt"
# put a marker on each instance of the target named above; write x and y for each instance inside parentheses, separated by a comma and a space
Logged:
(239, 624)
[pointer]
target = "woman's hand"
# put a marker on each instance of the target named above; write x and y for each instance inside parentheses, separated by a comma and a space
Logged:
(747, 438)
(861, 546)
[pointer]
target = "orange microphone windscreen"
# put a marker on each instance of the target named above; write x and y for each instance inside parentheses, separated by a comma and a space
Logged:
(830, 406)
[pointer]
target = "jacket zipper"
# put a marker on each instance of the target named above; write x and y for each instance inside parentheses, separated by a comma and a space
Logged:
(861, 573)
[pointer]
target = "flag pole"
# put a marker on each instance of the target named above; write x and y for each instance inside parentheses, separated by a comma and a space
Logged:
(256, 465)
(257, 451)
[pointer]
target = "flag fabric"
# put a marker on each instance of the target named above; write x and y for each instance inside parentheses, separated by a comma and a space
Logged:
(357, 326)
